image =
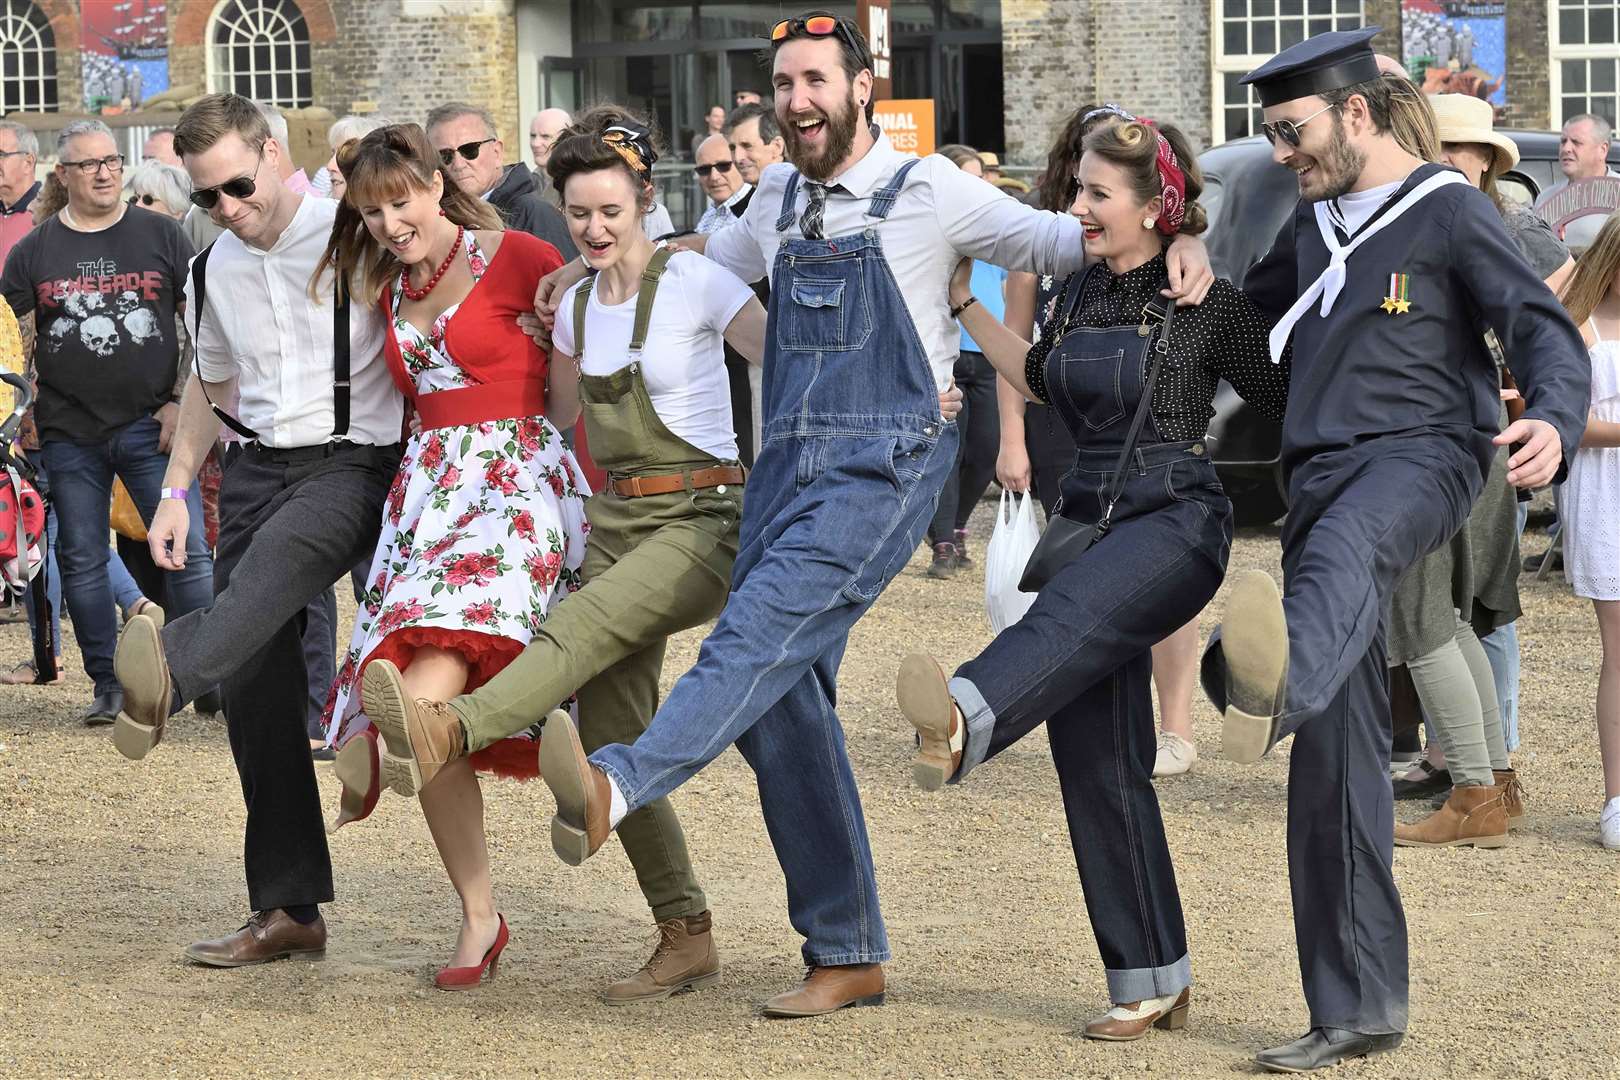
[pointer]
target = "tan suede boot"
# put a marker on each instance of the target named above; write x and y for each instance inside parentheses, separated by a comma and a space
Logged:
(1473, 815)
(420, 737)
(684, 959)
(1512, 792)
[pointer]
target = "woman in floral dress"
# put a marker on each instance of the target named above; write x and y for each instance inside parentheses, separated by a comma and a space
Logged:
(484, 528)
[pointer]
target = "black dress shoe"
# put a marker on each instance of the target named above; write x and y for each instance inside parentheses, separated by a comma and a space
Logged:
(1434, 781)
(1322, 1047)
(210, 704)
(104, 710)
(1532, 563)
(323, 753)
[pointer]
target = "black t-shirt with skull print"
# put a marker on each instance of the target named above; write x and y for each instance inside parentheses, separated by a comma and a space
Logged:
(105, 305)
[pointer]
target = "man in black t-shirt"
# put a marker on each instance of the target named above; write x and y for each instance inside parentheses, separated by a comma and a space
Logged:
(104, 281)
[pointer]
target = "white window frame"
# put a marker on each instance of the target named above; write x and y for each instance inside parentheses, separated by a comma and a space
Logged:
(1223, 63)
(222, 79)
(1557, 53)
(42, 46)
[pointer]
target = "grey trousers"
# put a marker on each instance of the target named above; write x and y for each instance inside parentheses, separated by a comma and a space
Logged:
(1458, 692)
(291, 523)
(320, 656)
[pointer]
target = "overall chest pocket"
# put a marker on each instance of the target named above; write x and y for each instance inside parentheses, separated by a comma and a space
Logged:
(824, 314)
(1090, 386)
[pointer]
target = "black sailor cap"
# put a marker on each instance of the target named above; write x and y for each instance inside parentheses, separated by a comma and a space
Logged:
(1325, 62)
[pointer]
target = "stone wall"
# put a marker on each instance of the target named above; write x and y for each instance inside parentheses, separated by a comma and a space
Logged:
(1046, 57)
(1157, 67)
(1529, 105)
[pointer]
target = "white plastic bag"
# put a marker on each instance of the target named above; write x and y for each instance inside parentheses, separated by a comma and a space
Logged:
(1005, 557)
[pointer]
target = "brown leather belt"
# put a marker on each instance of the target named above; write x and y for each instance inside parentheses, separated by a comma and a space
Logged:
(632, 487)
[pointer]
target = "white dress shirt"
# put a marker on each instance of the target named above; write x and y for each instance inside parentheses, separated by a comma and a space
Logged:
(942, 215)
(261, 328)
(718, 217)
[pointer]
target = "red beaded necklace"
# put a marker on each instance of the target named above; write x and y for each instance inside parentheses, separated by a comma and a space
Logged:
(405, 272)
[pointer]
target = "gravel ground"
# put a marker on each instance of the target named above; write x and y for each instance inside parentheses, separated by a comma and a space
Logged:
(107, 868)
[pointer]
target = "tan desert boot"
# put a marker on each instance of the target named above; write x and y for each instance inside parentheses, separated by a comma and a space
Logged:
(420, 737)
(684, 959)
(1473, 815)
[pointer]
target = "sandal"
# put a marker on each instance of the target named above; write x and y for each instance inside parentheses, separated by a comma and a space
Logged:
(1433, 781)
(26, 674)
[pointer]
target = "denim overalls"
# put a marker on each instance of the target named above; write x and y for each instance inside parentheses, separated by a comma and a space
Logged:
(854, 456)
(1079, 659)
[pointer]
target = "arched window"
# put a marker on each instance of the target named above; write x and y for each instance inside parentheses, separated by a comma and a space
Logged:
(260, 49)
(27, 58)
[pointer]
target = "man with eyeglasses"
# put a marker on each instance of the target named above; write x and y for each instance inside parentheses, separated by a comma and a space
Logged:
(19, 151)
(299, 506)
(722, 183)
(473, 155)
(104, 281)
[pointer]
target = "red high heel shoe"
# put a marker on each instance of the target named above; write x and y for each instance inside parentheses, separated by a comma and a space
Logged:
(359, 769)
(468, 978)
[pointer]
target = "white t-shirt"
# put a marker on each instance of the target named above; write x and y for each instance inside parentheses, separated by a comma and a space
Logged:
(683, 361)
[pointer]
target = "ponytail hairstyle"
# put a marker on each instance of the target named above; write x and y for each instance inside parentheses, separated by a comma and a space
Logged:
(389, 163)
(1595, 273)
(1055, 188)
(608, 137)
(1133, 146)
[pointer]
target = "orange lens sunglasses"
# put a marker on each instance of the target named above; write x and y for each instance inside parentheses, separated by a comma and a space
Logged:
(814, 25)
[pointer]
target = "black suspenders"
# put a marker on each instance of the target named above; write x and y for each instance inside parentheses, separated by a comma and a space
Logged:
(340, 351)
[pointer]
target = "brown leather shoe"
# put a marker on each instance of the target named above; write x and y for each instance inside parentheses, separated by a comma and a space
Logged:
(583, 796)
(269, 935)
(420, 737)
(925, 699)
(1512, 792)
(684, 959)
(1129, 1021)
(143, 671)
(1473, 815)
(828, 989)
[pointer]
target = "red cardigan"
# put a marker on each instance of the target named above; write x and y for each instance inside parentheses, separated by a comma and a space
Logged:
(483, 334)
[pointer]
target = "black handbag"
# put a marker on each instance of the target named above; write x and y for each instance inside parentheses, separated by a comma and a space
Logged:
(1065, 540)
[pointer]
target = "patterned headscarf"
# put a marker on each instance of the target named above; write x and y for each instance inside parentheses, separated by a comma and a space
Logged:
(1172, 181)
(634, 145)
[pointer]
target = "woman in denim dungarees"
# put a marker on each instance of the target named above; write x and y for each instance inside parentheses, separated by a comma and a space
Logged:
(1079, 660)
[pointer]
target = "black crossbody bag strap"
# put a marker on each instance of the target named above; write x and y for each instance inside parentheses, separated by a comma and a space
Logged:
(1158, 347)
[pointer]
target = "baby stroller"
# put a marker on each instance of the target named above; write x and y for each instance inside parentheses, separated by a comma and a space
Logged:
(23, 543)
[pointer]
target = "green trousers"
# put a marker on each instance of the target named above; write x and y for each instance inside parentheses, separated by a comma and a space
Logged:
(654, 566)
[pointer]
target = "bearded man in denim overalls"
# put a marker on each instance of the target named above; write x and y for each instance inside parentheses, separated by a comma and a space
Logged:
(859, 241)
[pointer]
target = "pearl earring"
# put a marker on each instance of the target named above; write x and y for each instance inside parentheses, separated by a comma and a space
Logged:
(1147, 223)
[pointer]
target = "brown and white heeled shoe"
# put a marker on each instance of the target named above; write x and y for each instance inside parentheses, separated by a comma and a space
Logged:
(1130, 1021)
(924, 694)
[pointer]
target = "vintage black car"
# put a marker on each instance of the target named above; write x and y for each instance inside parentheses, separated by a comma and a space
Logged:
(1248, 197)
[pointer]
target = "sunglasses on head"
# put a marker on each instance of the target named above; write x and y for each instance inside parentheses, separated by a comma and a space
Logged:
(818, 24)
(1288, 130)
(469, 151)
(704, 170)
(240, 188)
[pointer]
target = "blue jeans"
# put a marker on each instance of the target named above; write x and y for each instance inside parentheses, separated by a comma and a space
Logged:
(81, 491)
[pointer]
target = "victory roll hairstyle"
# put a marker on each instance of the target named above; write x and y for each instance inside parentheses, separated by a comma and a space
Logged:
(1133, 146)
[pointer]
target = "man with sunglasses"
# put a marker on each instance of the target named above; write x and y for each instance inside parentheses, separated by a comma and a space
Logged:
(474, 155)
(859, 241)
(722, 183)
(104, 280)
(1381, 278)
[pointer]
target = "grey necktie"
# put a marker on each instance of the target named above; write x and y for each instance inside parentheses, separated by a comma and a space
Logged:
(810, 221)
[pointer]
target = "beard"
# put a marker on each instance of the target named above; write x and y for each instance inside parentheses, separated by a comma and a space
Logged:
(839, 139)
(1339, 168)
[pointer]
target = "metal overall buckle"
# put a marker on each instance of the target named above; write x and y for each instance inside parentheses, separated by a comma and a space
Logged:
(1151, 318)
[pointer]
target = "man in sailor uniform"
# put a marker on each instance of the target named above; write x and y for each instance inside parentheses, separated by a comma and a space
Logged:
(1383, 280)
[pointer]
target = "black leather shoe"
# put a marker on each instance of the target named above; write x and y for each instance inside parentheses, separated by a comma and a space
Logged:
(210, 704)
(1434, 781)
(1532, 563)
(104, 710)
(1322, 1047)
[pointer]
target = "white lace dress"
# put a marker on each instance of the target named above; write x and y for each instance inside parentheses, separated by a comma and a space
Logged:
(1590, 507)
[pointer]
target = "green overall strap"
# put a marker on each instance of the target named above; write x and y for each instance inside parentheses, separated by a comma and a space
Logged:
(582, 300)
(649, 290)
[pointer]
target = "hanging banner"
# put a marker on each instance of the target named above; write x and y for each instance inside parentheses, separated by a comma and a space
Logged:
(125, 49)
(909, 124)
(1456, 47)
(872, 16)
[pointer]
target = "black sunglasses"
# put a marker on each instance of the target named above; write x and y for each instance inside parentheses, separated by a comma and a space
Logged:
(1288, 130)
(468, 150)
(705, 170)
(240, 188)
(144, 200)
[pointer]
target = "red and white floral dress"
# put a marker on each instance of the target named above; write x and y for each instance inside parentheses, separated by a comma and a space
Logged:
(484, 528)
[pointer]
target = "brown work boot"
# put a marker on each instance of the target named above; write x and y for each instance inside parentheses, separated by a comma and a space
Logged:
(828, 989)
(684, 959)
(925, 699)
(1129, 1021)
(584, 796)
(420, 737)
(1512, 792)
(268, 935)
(1473, 815)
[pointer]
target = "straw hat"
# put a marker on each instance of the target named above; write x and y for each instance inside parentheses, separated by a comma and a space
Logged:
(1463, 118)
(988, 159)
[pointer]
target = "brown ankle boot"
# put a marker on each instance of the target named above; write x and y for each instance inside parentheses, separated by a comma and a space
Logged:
(420, 737)
(828, 989)
(1473, 815)
(1512, 792)
(684, 959)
